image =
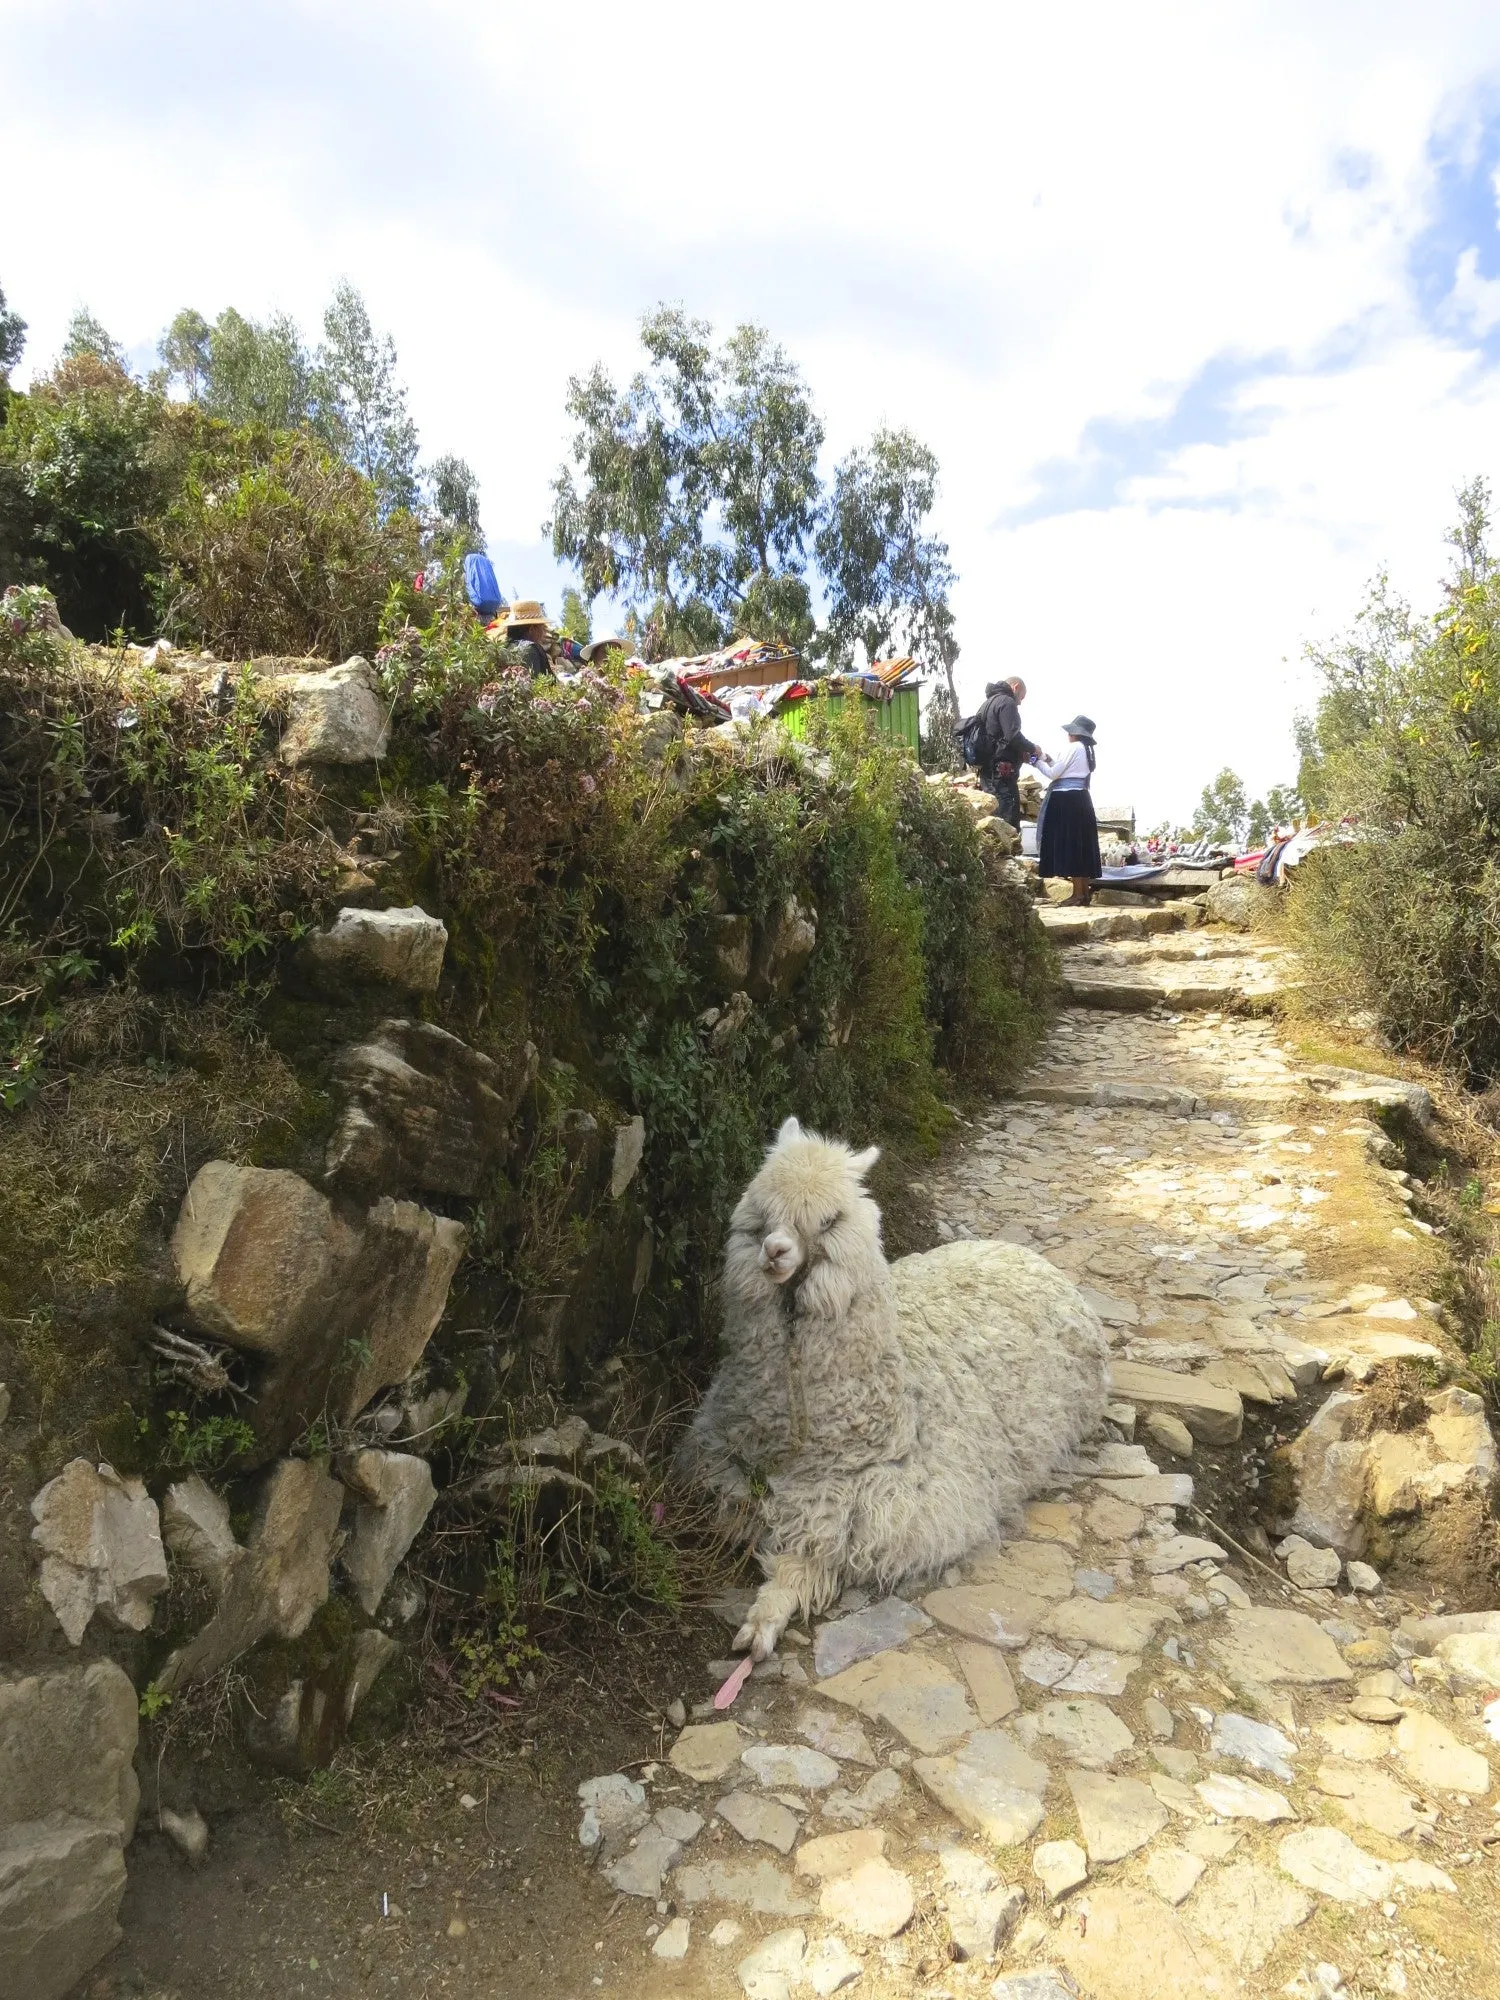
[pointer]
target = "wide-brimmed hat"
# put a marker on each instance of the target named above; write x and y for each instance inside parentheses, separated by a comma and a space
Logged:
(595, 647)
(1081, 725)
(526, 612)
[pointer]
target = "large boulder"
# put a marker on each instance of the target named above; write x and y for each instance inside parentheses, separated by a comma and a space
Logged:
(336, 715)
(379, 948)
(68, 1797)
(1240, 902)
(101, 1549)
(337, 1309)
(395, 1494)
(282, 1578)
(422, 1110)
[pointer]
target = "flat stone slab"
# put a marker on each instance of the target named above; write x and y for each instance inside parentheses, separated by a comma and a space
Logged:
(759, 1886)
(839, 1853)
(774, 1967)
(1214, 1414)
(1177, 1551)
(1133, 1948)
(755, 1817)
(835, 1736)
(990, 1685)
(1260, 1646)
(1322, 1858)
(1117, 1815)
(1173, 1873)
(863, 1634)
(640, 1869)
(873, 1900)
(1085, 1732)
(790, 1767)
(1119, 1625)
(997, 1613)
(912, 1693)
(1159, 1489)
(1248, 1912)
(1242, 1798)
(1099, 1672)
(1369, 1797)
(1059, 1865)
(1005, 1813)
(1259, 1744)
(1435, 1760)
(1040, 1568)
(705, 1751)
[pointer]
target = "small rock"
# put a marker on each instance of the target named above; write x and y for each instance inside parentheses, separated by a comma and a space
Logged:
(391, 947)
(677, 1712)
(1308, 1567)
(1158, 1719)
(188, 1833)
(874, 1899)
(835, 1736)
(1175, 1552)
(1170, 1432)
(678, 1824)
(396, 1494)
(614, 1807)
(705, 1751)
(639, 1870)
(1086, 1732)
(758, 1886)
(630, 1147)
(1361, 1577)
(1044, 1983)
(1375, 1708)
(673, 1942)
(195, 1527)
(1044, 1664)
(1059, 1865)
(725, 1933)
(1095, 1583)
(1173, 1873)
(840, 1853)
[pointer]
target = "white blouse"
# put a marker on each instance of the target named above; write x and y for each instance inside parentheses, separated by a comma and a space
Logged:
(1074, 763)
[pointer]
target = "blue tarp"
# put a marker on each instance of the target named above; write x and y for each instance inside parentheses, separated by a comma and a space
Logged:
(481, 584)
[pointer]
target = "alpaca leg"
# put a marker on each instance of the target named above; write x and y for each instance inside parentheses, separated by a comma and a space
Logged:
(796, 1583)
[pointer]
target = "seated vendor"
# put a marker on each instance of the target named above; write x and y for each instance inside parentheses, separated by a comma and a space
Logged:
(527, 630)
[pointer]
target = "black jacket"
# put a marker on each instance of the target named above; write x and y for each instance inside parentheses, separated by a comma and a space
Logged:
(1004, 742)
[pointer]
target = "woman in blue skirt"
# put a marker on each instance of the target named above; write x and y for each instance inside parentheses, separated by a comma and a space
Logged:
(1067, 831)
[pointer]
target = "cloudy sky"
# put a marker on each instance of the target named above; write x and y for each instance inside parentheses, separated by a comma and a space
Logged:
(1199, 305)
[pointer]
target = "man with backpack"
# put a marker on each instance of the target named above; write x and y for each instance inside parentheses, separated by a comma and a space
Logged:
(994, 742)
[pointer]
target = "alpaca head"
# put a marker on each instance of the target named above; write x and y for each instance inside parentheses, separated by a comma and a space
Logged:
(806, 1216)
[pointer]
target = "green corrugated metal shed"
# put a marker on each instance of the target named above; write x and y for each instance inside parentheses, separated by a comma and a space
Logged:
(898, 714)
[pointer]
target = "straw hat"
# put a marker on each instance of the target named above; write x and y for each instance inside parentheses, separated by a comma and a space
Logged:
(524, 613)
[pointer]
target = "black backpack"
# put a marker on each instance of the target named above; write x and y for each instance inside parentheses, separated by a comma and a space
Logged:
(969, 736)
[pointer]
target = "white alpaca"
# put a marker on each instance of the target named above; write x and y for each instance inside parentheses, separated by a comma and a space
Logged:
(872, 1422)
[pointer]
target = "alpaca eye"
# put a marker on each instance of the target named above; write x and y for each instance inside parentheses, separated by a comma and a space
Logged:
(832, 1223)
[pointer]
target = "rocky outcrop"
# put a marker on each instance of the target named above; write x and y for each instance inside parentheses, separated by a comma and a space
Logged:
(1351, 1478)
(630, 1150)
(101, 1548)
(68, 1797)
(401, 948)
(395, 1493)
(337, 1310)
(422, 1110)
(273, 1591)
(336, 715)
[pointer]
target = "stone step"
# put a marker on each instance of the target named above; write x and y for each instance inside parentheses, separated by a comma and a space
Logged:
(1138, 996)
(1084, 926)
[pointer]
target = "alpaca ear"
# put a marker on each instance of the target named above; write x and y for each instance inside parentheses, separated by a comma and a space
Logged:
(790, 1130)
(862, 1162)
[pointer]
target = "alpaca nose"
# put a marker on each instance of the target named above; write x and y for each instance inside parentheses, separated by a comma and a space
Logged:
(779, 1256)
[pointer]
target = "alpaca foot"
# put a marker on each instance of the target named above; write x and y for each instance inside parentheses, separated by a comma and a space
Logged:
(769, 1616)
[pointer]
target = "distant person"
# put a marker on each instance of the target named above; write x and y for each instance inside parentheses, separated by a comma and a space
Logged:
(481, 587)
(527, 631)
(1067, 831)
(1003, 747)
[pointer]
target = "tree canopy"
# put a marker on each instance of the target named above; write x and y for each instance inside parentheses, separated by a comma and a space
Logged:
(695, 496)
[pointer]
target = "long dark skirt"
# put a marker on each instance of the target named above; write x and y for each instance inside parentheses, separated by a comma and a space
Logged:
(1068, 841)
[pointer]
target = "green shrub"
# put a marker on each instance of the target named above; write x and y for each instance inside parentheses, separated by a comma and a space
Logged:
(289, 556)
(1402, 920)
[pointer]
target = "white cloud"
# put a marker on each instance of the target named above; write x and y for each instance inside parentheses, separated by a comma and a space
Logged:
(1001, 226)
